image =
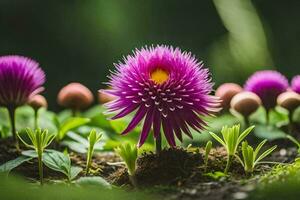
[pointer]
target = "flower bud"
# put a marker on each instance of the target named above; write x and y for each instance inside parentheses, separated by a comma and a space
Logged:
(289, 100)
(226, 91)
(75, 96)
(245, 103)
(38, 101)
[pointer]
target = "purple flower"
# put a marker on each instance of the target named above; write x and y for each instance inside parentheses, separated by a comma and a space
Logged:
(167, 87)
(20, 79)
(296, 84)
(267, 85)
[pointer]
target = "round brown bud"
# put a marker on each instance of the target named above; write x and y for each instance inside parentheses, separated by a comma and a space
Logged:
(226, 91)
(289, 100)
(75, 96)
(245, 103)
(38, 101)
(104, 97)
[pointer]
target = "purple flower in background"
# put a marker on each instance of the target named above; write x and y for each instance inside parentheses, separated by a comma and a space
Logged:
(167, 87)
(296, 84)
(20, 79)
(267, 85)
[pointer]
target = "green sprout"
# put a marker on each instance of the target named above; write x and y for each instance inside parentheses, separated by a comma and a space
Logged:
(40, 139)
(129, 154)
(93, 138)
(251, 157)
(231, 140)
(207, 151)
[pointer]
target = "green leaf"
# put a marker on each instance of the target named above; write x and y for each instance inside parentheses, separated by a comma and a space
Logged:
(269, 132)
(58, 161)
(216, 175)
(70, 124)
(74, 172)
(217, 138)
(266, 153)
(245, 133)
(30, 153)
(95, 180)
(10, 165)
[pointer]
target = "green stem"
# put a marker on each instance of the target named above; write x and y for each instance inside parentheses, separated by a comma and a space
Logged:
(36, 116)
(247, 123)
(228, 164)
(267, 116)
(89, 161)
(12, 112)
(132, 179)
(41, 173)
(158, 144)
(290, 126)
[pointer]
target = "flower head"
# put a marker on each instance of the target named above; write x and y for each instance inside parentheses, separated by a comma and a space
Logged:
(167, 87)
(20, 79)
(75, 96)
(226, 91)
(267, 85)
(38, 101)
(289, 100)
(296, 84)
(245, 103)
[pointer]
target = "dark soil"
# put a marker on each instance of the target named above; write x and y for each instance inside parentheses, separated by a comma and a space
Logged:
(172, 174)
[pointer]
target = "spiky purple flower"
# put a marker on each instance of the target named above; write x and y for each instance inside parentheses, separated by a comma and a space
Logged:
(167, 87)
(295, 84)
(267, 84)
(20, 79)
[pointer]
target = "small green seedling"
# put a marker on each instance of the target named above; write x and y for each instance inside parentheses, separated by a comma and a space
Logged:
(61, 162)
(129, 154)
(231, 140)
(207, 151)
(40, 139)
(93, 139)
(251, 157)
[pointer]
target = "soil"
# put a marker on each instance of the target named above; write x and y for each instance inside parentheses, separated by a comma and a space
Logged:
(172, 174)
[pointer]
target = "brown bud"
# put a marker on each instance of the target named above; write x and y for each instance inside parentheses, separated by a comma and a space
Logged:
(105, 97)
(75, 96)
(226, 91)
(245, 103)
(38, 101)
(289, 100)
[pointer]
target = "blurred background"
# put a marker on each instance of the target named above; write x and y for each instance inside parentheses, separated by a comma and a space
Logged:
(79, 40)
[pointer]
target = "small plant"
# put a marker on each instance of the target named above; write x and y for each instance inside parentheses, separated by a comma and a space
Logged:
(93, 138)
(40, 139)
(129, 154)
(61, 162)
(207, 151)
(231, 140)
(251, 157)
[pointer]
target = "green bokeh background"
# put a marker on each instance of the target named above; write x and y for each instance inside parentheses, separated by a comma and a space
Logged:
(79, 40)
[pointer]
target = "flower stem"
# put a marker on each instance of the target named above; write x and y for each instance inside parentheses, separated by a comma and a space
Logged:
(247, 123)
(228, 164)
(158, 143)
(41, 174)
(267, 116)
(12, 111)
(36, 116)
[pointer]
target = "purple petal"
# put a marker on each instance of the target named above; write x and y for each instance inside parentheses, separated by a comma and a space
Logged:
(139, 115)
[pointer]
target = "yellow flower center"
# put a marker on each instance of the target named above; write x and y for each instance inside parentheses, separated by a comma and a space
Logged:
(159, 75)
